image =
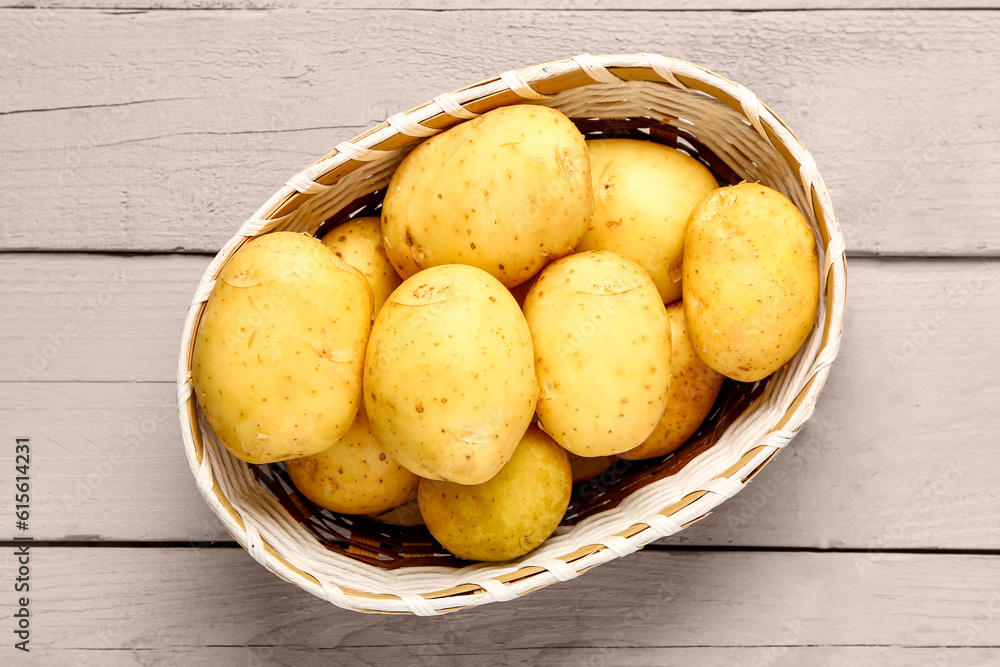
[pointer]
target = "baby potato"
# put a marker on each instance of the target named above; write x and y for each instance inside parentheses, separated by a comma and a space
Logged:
(506, 192)
(359, 243)
(643, 195)
(751, 280)
(602, 352)
(507, 516)
(355, 475)
(449, 374)
(279, 350)
(693, 390)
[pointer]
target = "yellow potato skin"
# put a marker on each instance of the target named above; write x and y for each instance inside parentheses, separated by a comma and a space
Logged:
(602, 352)
(449, 374)
(279, 349)
(355, 475)
(751, 280)
(507, 516)
(506, 192)
(693, 390)
(643, 195)
(359, 243)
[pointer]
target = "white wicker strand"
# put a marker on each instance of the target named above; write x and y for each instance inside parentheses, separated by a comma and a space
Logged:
(834, 251)
(253, 227)
(335, 594)
(254, 544)
(202, 293)
(516, 83)
(559, 569)
(184, 391)
(724, 486)
(204, 479)
(753, 109)
(808, 172)
(620, 546)
(827, 356)
(496, 589)
(450, 106)
(360, 153)
(662, 66)
(662, 525)
(779, 439)
(417, 604)
(595, 70)
(406, 125)
(300, 182)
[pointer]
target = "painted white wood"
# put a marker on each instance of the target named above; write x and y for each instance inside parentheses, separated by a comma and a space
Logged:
(758, 603)
(160, 131)
(900, 453)
(556, 656)
(164, 130)
(457, 5)
(96, 318)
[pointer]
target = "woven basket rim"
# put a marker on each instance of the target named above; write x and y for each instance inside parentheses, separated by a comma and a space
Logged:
(528, 84)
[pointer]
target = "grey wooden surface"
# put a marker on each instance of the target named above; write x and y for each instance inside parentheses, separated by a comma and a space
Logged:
(135, 137)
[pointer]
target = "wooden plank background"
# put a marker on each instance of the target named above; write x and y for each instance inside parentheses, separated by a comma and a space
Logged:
(168, 128)
(136, 138)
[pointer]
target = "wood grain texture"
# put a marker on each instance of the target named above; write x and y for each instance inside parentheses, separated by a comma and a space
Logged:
(162, 131)
(662, 603)
(564, 656)
(96, 318)
(460, 5)
(899, 454)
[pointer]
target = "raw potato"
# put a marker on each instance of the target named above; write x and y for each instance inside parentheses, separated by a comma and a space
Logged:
(359, 243)
(751, 280)
(602, 352)
(279, 350)
(506, 192)
(507, 516)
(354, 476)
(449, 374)
(643, 195)
(693, 389)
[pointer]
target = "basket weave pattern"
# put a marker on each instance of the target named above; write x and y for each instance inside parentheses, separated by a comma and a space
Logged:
(736, 128)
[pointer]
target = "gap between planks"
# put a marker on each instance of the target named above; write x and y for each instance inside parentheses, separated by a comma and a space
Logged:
(654, 547)
(115, 8)
(177, 599)
(839, 78)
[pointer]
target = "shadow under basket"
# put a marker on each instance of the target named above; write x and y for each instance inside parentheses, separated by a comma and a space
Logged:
(367, 565)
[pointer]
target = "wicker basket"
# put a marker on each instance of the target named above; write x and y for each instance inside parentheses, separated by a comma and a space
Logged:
(367, 566)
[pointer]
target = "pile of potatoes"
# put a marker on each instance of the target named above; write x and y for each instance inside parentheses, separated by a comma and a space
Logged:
(527, 299)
